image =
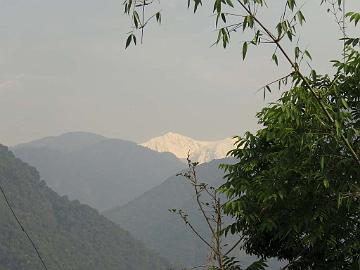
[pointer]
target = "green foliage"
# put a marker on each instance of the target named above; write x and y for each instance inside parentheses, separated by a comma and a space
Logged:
(354, 16)
(69, 235)
(231, 17)
(295, 188)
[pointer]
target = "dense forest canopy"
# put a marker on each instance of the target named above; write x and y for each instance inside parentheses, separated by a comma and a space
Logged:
(69, 235)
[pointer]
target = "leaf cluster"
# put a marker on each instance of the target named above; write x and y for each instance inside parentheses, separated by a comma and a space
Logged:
(295, 188)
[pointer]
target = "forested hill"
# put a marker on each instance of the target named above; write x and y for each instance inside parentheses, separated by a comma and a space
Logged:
(69, 235)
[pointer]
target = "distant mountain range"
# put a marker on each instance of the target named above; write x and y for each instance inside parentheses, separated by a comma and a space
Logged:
(134, 182)
(180, 146)
(69, 235)
(96, 170)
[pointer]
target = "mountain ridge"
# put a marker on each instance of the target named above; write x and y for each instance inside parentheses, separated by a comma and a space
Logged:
(66, 142)
(102, 172)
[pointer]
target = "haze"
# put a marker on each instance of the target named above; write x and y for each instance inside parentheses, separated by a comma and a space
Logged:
(64, 68)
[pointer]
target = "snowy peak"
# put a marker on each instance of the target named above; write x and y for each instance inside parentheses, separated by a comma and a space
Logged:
(180, 145)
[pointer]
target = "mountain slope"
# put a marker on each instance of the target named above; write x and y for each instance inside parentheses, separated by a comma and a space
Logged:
(68, 234)
(166, 233)
(162, 231)
(179, 145)
(103, 174)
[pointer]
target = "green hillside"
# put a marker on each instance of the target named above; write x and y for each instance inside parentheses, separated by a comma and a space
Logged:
(69, 235)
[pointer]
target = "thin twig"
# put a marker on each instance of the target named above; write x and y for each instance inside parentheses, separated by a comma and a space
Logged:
(235, 245)
(195, 231)
(197, 193)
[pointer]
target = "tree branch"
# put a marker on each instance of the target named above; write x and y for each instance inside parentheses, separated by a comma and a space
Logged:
(306, 82)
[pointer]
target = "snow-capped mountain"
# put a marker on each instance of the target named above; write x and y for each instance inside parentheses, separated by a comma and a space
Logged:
(179, 145)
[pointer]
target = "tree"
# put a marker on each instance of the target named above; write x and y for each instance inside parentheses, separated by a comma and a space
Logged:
(295, 188)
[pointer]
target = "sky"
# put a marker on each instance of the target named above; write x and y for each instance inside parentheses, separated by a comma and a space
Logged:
(63, 68)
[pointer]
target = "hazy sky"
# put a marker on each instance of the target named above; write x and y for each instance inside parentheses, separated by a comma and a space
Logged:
(63, 68)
